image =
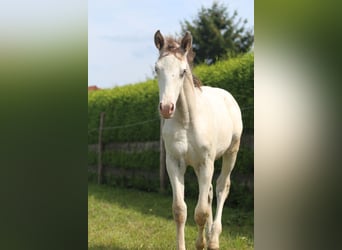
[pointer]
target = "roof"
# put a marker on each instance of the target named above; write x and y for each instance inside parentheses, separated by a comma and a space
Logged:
(93, 87)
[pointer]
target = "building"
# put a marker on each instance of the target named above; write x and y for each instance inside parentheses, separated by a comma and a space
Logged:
(93, 87)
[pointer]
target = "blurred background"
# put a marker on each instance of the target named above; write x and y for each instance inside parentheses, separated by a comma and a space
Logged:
(44, 71)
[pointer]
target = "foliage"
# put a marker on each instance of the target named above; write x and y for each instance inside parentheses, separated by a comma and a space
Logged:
(217, 35)
(131, 115)
(138, 104)
(147, 159)
(240, 196)
(131, 219)
(124, 107)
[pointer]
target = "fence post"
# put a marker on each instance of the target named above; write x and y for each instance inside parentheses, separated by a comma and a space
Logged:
(162, 160)
(99, 151)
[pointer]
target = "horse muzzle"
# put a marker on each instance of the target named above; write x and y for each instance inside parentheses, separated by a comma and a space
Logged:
(166, 110)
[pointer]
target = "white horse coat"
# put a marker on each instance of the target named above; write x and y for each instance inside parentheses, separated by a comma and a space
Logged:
(211, 132)
(201, 125)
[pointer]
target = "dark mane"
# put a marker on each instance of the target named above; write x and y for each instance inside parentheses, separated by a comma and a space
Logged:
(172, 45)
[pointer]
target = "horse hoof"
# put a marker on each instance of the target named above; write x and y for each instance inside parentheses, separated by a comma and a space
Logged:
(213, 247)
(200, 246)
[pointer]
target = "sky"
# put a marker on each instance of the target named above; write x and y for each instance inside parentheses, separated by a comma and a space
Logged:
(121, 49)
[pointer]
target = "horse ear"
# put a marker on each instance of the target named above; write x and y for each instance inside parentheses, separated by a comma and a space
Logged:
(158, 40)
(186, 43)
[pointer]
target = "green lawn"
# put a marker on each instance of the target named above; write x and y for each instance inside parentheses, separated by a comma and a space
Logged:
(131, 219)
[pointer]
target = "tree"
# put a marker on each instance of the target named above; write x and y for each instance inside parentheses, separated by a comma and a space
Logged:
(217, 35)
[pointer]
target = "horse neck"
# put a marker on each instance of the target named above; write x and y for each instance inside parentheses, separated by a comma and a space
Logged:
(186, 102)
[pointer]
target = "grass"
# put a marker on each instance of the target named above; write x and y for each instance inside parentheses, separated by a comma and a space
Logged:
(127, 219)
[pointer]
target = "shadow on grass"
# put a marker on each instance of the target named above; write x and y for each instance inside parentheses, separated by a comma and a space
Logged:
(146, 203)
(157, 204)
(237, 224)
(106, 248)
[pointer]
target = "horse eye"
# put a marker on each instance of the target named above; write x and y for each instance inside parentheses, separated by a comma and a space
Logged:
(156, 69)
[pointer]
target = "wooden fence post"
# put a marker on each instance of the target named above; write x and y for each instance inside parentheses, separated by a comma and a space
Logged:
(162, 160)
(99, 151)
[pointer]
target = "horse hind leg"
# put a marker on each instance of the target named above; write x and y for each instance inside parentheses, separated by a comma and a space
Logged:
(222, 191)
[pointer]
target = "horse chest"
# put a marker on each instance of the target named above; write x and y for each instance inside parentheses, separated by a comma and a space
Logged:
(181, 143)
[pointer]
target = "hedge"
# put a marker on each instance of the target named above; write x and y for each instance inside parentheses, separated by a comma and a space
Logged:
(124, 106)
(134, 104)
(131, 115)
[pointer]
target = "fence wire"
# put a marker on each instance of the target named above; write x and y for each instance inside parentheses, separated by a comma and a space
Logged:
(144, 122)
(126, 126)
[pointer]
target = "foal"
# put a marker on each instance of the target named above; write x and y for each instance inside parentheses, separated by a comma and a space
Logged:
(202, 124)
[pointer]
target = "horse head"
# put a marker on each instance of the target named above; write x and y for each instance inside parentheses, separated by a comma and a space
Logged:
(172, 68)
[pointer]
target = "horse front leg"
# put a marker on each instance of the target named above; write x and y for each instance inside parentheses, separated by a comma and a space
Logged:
(203, 211)
(176, 170)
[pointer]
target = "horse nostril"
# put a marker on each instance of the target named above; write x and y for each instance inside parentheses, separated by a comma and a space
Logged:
(166, 110)
(172, 106)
